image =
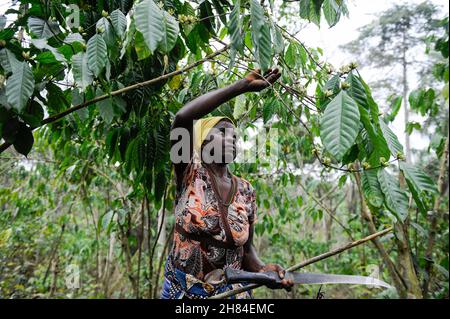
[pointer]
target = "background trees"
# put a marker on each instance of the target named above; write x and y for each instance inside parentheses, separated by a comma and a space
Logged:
(90, 107)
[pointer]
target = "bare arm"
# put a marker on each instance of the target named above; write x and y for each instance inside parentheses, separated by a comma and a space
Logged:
(208, 102)
(251, 262)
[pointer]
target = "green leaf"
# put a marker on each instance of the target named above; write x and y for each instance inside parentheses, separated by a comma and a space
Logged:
(333, 84)
(119, 22)
(261, 36)
(34, 114)
(291, 55)
(235, 27)
(149, 19)
(310, 10)
(396, 104)
(357, 91)
(239, 106)
(339, 125)
(81, 73)
(106, 31)
(43, 29)
(96, 54)
(3, 21)
(278, 41)
(331, 12)
(268, 109)
(24, 140)
(105, 107)
(170, 33)
(8, 60)
(419, 184)
(379, 144)
(371, 188)
(396, 199)
(141, 48)
(393, 143)
(20, 86)
(410, 126)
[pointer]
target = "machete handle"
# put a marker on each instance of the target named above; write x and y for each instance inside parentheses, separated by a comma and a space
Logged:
(270, 279)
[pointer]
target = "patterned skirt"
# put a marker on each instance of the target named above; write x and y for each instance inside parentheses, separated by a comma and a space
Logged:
(179, 285)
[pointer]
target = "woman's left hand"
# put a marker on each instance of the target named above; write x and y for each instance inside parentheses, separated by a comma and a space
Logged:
(286, 283)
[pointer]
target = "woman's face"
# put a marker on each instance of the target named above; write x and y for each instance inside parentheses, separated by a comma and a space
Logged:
(221, 138)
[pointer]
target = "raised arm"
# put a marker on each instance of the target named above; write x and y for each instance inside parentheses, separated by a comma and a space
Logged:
(208, 102)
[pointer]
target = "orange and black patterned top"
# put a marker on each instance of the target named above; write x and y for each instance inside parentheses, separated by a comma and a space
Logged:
(197, 212)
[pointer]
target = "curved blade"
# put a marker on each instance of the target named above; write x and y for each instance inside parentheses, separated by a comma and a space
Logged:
(312, 278)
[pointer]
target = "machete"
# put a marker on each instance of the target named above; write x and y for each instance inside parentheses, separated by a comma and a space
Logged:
(272, 280)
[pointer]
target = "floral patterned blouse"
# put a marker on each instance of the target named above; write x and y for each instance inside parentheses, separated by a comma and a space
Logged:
(197, 212)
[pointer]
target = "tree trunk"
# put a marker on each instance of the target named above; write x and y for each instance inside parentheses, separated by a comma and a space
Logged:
(405, 105)
(434, 221)
(405, 260)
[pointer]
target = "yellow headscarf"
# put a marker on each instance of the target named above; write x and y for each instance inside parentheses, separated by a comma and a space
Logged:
(201, 130)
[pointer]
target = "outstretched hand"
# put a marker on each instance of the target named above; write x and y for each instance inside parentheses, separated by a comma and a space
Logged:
(258, 82)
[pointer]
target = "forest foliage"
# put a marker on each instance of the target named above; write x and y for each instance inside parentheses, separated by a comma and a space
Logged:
(85, 115)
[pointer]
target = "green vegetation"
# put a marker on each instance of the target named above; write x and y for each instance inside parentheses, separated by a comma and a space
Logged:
(85, 114)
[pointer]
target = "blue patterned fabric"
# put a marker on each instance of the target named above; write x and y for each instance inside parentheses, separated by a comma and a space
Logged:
(178, 285)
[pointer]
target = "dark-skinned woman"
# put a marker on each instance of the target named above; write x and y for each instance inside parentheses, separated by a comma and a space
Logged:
(215, 211)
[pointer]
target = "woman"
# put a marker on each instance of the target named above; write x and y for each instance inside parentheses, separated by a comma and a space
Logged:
(214, 210)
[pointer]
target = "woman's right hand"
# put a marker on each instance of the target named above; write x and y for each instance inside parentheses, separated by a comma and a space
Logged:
(257, 82)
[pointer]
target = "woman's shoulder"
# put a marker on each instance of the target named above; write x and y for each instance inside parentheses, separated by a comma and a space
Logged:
(245, 185)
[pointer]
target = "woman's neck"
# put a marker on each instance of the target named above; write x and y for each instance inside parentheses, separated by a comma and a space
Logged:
(220, 170)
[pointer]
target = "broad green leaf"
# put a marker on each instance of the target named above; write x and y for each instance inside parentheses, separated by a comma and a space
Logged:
(396, 199)
(359, 94)
(170, 32)
(261, 36)
(96, 54)
(235, 27)
(41, 44)
(278, 41)
(24, 140)
(373, 106)
(379, 145)
(331, 12)
(8, 60)
(140, 47)
(20, 86)
(149, 19)
(33, 114)
(418, 184)
(43, 29)
(239, 106)
(81, 73)
(74, 37)
(371, 188)
(396, 103)
(105, 107)
(357, 91)
(310, 10)
(392, 141)
(339, 125)
(291, 55)
(333, 84)
(269, 109)
(106, 31)
(119, 22)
